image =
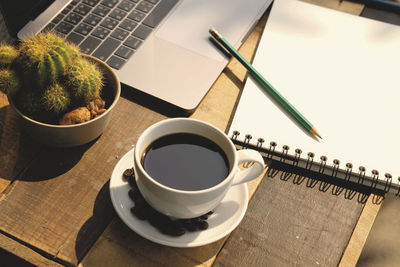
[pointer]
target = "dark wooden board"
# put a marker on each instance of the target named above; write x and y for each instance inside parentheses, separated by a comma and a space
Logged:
(63, 196)
(289, 222)
(57, 203)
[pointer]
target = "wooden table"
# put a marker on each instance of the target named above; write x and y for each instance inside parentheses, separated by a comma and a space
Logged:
(56, 210)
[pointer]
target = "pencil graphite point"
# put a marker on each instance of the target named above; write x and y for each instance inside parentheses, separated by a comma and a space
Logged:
(314, 132)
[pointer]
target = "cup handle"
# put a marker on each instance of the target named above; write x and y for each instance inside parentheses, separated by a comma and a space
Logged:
(254, 171)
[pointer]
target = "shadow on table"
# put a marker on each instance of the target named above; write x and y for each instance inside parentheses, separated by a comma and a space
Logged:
(24, 158)
(103, 212)
(123, 247)
(325, 183)
(119, 245)
(53, 162)
(153, 103)
(12, 260)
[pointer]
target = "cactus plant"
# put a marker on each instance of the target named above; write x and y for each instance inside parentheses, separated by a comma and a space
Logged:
(44, 58)
(9, 82)
(56, 99)
(47, 77)
(84, 80)
(8, 54)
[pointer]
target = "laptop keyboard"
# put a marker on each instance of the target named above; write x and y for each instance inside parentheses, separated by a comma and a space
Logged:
(111, 30)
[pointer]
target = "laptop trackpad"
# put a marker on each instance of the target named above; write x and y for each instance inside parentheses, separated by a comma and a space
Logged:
(189, 24)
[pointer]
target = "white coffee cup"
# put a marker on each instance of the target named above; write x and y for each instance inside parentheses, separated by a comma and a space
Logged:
(190, 204)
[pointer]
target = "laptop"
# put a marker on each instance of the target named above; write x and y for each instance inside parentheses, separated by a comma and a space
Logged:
(159, 47)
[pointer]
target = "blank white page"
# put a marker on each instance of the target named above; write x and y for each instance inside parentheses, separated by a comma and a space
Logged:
(342, 73)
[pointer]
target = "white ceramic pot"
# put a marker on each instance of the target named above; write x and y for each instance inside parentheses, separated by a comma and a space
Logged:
(77, 134)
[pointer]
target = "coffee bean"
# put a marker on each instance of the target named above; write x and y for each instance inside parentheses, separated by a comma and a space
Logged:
(192, 225)
(139, 212)
(128, 173)
(204, 217)
(203, 225)
(173, 230)
(135, 195)
(143, 211)
(132, 182)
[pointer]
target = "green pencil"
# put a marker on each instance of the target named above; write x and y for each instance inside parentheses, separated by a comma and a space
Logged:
(266, 85)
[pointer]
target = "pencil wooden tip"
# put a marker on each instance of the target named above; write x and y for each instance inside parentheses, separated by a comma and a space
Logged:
(214, 33)
(314, 132)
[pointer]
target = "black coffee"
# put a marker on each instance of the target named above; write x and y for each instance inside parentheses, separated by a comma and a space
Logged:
(186, 161)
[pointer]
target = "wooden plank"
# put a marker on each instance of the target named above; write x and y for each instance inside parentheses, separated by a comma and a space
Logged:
(14, 247)
(383, 242)
(16, 151)
(258, 257)
(291, 221)
(63, 196)
(221, 100)
(9, 130)
(361, 231)
(88, 213)
(120, 246)
(344, 6)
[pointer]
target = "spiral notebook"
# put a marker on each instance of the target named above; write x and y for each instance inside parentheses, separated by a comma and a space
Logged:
(341, 72)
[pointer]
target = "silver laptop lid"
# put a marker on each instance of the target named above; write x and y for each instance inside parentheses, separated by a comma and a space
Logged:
(19, 15)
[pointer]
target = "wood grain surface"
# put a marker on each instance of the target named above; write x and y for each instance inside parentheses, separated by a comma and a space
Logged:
(118, 245)
(56, 207)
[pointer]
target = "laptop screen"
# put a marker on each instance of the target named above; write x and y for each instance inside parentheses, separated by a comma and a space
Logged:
(17, 13)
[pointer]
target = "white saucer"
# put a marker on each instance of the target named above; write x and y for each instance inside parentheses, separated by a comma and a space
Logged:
(226, 217)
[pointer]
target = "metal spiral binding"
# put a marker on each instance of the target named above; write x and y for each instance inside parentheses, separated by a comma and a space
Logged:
(375, 177)
(285, 151)
(349, 193)
(310, 160)
(285, 157)
(324, 185)
(285, 174)
(336, 190)
(361, 175)
(322, 164)
(247, 139)
(260, 142)
(349, 167)
(235, 135)
(335, 167)
(297, 156)
(388, 183)
(272, 147)
(272, 172)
